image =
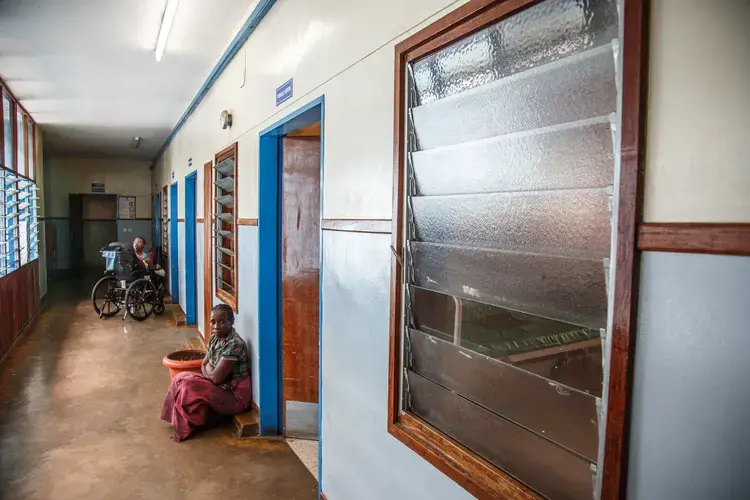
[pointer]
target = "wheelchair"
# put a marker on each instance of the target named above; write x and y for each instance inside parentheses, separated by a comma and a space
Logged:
(127, 284)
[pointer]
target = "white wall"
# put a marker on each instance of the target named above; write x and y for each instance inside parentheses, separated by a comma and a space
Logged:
(69, 175)
(698, 159)
(345, 51)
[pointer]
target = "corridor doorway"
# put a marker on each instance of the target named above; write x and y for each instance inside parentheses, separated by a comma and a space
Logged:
(300, 280)
(191, 271)
(174, 245)
(290, 175)
(93, 225)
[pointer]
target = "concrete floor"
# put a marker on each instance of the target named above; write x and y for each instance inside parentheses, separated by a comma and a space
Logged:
(80, 400)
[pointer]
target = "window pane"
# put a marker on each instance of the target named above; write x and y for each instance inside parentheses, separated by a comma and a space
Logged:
(224, 220)
(528, 101)
(551, 469)
(573, 223)
(575, 156)
(8, 132)
(21, 149)
(30, 149)
(540, 35)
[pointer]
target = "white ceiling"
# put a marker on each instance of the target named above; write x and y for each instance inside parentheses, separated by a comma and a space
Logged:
(85, 69)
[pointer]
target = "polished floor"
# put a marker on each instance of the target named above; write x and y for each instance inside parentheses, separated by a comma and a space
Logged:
(79, 419)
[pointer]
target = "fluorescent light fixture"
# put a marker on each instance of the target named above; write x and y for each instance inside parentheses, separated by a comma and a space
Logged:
(166, 24)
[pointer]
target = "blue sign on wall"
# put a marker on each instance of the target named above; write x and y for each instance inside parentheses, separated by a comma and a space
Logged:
(284, 93)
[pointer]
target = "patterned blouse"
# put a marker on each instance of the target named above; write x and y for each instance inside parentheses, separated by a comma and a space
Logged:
(230, 347)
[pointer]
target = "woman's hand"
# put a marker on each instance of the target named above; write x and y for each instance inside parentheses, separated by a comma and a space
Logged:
(219, 374)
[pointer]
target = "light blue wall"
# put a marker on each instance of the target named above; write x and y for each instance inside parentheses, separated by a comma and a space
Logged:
(246, 318)
(199, 276)
(246, 322)
(689, 429)
(61, 229)
(97, 234)
(360, 459)
(181, 257)
(128, 230)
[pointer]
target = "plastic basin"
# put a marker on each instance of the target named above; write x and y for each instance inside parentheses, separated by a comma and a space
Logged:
(184, 360)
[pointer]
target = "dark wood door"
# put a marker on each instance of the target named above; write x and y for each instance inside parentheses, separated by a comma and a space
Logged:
(300, 237)
(75, 211)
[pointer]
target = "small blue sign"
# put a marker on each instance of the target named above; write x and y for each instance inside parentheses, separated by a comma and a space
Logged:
(284, 93)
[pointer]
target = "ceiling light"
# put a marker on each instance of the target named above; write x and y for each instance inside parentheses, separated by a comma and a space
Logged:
(166, 24)
(136, 142)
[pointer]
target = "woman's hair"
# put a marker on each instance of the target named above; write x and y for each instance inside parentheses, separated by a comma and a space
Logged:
(226, 310)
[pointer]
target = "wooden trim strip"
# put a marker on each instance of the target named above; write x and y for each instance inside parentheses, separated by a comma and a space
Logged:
(227, 298)
(614, 469)
(200, 220)
(474, 18)
(719, 239)
(228, 152)
(377, 226)
(247, 222)
(181, 219)
(471, 472)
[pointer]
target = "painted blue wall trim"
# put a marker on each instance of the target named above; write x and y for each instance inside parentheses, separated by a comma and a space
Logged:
(191, 283)
(174, 245)
(269, 263)
(253, 21)
(320, 305)
(156, 216)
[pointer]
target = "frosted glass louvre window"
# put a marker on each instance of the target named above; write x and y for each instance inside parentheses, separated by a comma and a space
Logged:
(509, 184)
(225, 225)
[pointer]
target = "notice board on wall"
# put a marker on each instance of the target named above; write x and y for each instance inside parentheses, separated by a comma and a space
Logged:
(126, 207)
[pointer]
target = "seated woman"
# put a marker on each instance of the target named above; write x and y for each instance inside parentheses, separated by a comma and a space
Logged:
(197, 400)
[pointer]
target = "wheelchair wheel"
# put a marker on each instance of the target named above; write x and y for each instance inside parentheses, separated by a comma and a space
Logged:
(140, 299)
(104, 297)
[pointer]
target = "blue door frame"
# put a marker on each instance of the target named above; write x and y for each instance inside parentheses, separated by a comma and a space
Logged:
(174, 245)
(156, 216)
(269, 268)
(191, 284)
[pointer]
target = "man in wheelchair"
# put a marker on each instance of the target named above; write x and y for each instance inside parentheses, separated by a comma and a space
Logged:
(130, 280)
(139, 247)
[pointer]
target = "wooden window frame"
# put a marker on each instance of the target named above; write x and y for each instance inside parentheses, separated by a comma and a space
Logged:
(2, 127)
(229, 299)
(478, 476)
(16, 107)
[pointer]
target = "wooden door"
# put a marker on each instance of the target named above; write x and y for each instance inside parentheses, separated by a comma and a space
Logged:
(300, 277)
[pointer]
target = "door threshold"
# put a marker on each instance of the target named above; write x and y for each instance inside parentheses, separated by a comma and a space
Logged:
(307, 451)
